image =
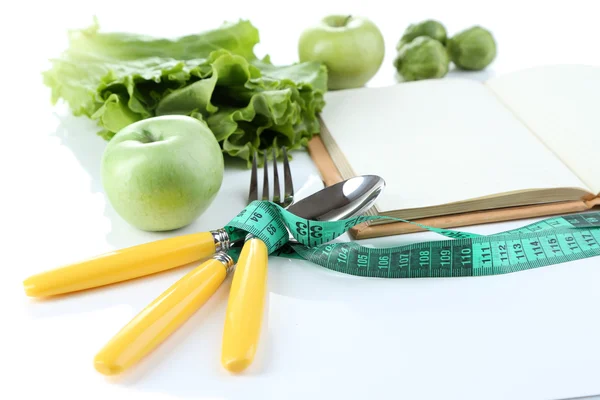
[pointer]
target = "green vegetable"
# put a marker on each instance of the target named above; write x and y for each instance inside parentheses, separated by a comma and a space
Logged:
(248, 103)
(422, 58)
(431, 28)
(472, 49)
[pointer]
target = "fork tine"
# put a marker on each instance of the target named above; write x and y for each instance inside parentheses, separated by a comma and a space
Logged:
(253, 193)
(276, 188)
(287, 176)
(265, 193)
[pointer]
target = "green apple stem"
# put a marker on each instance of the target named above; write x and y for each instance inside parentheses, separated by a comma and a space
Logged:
(338, 21)
(151, 138)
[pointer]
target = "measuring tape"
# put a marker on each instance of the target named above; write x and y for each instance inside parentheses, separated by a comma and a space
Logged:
(547, 242)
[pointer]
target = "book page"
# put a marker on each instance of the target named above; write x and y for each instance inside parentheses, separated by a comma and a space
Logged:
(439, 141)
(561, 105)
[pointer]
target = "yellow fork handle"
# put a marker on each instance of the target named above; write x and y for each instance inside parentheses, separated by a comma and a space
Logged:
(243, 318)
(121, 265)
(161, 317)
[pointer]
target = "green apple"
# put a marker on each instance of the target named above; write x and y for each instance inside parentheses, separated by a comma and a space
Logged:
(161, 173)
(352, 49)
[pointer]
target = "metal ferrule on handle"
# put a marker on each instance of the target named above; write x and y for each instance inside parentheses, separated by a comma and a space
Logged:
(226, 260)
(221, 240)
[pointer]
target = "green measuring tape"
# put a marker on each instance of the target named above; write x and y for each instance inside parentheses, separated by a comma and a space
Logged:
(547, 242)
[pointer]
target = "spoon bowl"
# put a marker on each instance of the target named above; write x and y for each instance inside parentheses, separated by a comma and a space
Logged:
(345, 199)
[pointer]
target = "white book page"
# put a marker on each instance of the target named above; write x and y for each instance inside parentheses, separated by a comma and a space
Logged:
(560, 104)
(439, 141)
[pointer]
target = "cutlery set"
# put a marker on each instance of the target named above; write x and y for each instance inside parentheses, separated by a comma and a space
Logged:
(175, 305)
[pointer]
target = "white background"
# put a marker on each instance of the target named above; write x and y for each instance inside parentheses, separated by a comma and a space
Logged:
(530, 335)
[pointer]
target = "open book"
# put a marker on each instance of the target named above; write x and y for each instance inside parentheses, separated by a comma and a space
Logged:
(457, 152)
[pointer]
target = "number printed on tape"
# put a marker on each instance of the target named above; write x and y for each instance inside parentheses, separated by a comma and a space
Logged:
(550, 241)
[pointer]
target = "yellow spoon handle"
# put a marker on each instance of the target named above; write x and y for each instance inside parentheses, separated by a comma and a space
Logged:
(121, 265)
(243, 318)
(163, 316)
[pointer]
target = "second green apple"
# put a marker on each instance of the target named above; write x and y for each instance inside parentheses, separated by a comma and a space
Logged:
(352, 48)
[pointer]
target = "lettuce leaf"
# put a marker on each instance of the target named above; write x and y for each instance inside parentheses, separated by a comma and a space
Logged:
(249, 103)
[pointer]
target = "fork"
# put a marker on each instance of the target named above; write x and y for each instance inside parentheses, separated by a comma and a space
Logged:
(288, 197)
(243, 318)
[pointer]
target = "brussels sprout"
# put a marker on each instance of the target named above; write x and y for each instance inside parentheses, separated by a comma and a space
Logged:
(431, 28)
(422, 58)
(472, 49)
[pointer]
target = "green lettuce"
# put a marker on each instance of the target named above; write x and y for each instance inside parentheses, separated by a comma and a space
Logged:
(249, 103)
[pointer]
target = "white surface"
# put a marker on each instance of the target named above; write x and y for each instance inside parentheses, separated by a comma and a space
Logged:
(453, 125)
(530, 335)
(560, 104)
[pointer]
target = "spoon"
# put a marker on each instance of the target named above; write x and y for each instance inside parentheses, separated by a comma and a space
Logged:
(340, 201)
(243, 318)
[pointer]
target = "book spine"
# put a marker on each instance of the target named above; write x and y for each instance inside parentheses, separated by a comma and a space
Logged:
(320, 156)
(365, 231)
(593, 202)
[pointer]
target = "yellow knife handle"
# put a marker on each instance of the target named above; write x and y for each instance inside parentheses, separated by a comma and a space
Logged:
(121, 265)
(243, 318)
(163, 316)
